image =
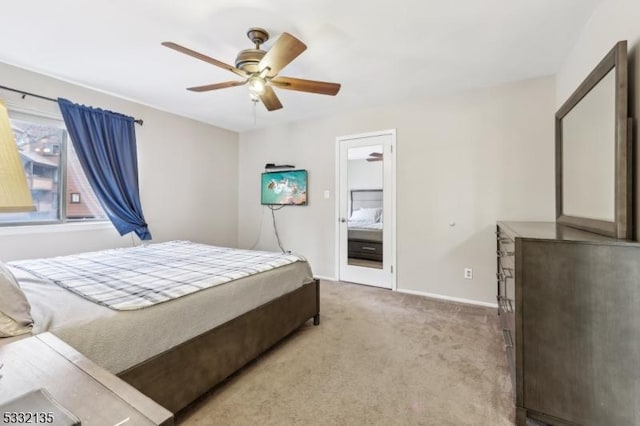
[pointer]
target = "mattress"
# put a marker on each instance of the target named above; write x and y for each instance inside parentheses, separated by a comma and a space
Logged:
(364, 231)
(142, 276)
(119, 340)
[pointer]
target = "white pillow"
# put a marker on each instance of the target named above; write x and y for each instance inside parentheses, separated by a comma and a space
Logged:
(15, 311)
(365, 215)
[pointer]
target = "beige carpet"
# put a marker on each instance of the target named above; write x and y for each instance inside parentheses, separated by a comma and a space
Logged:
(377, 358)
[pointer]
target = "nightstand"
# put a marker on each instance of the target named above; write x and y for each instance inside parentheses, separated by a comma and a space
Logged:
(87, 390)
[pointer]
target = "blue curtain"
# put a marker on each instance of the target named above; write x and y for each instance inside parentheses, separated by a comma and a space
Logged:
(106, 146)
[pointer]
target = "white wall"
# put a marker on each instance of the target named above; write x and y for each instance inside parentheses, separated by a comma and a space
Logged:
(365, 174)
(471, 158)
(187, 175)
(612, 21)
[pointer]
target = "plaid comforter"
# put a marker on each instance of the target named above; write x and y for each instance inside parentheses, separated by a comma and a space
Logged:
(139, 277)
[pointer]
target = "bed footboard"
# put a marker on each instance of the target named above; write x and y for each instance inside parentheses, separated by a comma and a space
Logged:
(178, 376)
(316, 317)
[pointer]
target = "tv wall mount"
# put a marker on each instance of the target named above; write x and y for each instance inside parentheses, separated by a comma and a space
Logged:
(278, 166)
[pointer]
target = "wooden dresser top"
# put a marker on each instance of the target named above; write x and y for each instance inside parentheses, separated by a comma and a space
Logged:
(552, 231)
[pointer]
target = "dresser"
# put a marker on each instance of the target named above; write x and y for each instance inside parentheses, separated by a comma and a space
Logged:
(569, 305)
(362, 249)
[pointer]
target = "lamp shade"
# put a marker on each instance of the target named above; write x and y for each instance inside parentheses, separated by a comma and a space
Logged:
(15, 195)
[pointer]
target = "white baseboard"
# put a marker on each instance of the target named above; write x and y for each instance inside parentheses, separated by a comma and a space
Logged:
(320, 277)
(431, 295)
(448, 298)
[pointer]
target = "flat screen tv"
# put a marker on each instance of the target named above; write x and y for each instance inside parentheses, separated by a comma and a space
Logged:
(287, 187)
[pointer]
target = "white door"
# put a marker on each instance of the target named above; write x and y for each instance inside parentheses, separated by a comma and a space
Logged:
(366, 208)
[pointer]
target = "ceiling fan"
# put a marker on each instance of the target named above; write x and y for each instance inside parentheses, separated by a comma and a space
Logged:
(260, 69)
(375, 156)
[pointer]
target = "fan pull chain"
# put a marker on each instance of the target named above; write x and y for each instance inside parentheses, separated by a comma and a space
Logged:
(255, 102)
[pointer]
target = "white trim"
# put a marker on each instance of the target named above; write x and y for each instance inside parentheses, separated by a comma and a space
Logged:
(35, 113)
(394, 215)
(394, 260)
(54, 228)
(336, 198)
(366, 135)
(322, 277)
(448, 298)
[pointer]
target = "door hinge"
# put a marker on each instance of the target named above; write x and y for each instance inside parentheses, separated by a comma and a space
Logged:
(391, 149)
(392, 269)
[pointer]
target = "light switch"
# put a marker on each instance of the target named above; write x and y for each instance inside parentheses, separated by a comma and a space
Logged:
(327, 194)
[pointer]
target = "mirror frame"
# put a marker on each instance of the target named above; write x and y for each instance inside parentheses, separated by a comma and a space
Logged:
(622, 225)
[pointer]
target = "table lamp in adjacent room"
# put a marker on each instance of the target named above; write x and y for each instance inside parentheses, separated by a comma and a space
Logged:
(15, 195)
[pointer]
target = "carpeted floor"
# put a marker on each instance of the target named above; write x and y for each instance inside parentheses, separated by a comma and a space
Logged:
(377, 358)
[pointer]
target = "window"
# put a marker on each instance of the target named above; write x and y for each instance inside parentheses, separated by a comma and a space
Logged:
(60, 190)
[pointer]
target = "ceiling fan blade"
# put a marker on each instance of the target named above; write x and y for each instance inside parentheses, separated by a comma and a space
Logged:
(284, 50)
(375, 159)
(270, 100)
(205, 58)
(376, 154)
(216, 86)
(310, 86)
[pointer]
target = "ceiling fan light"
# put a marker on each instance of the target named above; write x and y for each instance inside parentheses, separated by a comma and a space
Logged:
(256, 85)
(259, 69)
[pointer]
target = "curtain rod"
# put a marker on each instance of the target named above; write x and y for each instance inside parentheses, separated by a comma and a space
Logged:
(23, 93)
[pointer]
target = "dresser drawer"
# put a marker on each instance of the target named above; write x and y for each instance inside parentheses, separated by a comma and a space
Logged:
(505, 274)
(365, 249)
(507, 314)
(505, 250)
(507, 263)
(503, 238)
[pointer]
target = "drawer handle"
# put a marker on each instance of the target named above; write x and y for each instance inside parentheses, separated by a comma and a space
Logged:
(505, 253)
(368, 248)
(502, 276)
(505, 240)
(506, 305)
(506, 335)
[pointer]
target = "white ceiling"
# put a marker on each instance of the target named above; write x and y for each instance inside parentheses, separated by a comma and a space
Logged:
(381, 51)
(363, 152)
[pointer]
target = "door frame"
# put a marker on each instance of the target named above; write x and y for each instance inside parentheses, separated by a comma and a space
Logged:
(339, 139)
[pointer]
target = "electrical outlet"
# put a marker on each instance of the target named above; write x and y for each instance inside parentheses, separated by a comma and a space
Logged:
(468, 273)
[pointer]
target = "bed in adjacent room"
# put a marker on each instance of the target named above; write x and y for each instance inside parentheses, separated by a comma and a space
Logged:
(172, 319)
(365, 224)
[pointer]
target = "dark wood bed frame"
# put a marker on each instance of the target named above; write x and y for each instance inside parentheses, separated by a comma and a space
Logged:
(180, 375)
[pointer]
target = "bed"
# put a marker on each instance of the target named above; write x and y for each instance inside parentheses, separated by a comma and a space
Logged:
(365, 224)
(180, 348)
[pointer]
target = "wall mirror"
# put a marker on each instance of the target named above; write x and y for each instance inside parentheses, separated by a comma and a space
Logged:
(365, 224)
(593, 152)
